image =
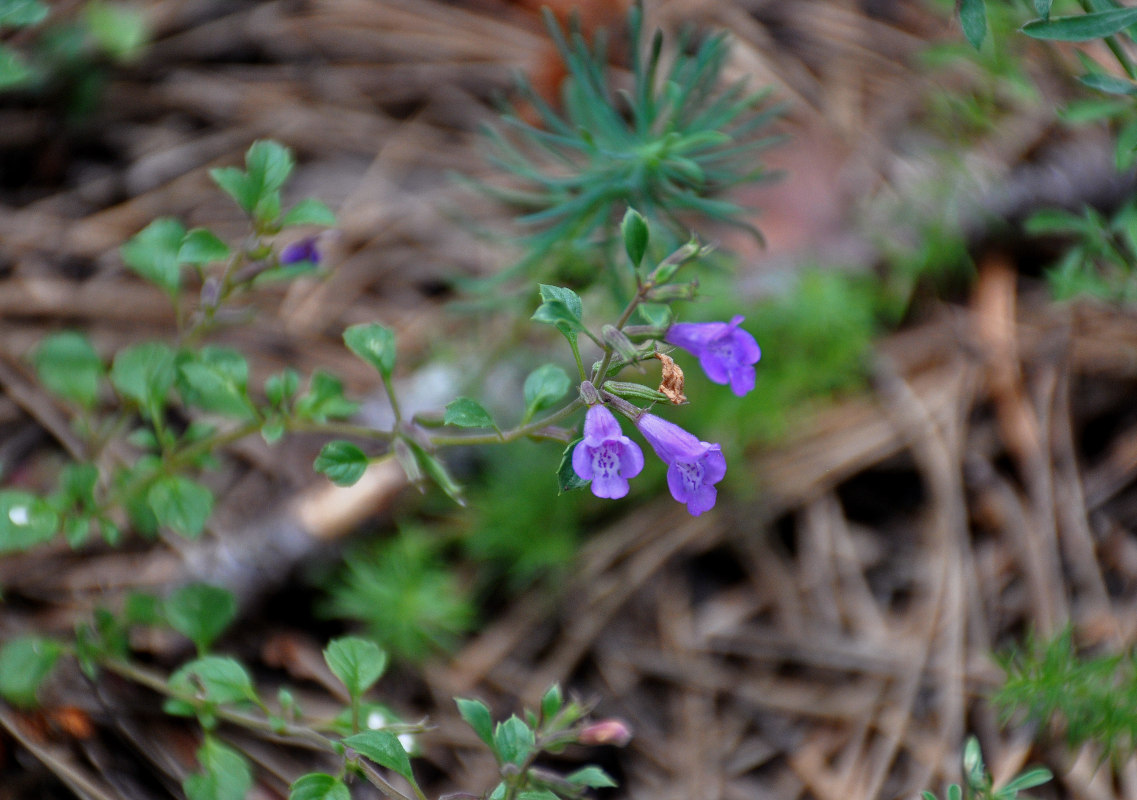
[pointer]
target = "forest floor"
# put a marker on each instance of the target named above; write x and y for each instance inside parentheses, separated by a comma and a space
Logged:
(828, 636)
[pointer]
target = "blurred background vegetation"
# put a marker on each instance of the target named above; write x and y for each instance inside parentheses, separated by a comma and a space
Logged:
(932, 243)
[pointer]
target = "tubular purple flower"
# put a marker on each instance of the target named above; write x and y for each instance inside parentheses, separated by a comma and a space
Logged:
(302, 250)
(693, 467)
(605, 456)
(725, 352)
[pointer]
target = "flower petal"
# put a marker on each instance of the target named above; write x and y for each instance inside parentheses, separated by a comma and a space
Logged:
(746, 347)
(692, 490)
(716, 367)
(302, 250)
(701, 500)
(610, 487)
(582, 460)
(725, 351)
(631, 459)
(694, 336)
(670, 442)
(714, 465)
(605, 456)
(600, 424)
(742, 380)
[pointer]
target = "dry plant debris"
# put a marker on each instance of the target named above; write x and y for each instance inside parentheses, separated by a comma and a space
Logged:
(827, 640)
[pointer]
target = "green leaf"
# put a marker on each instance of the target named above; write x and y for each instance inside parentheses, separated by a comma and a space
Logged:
(21, 13)
(570, 299)
(384, 748)
(373, 343)
(214, 379)
(974, 769)
(592, 777)
(358, 663)
(658, 315)
(1051, 221)
(437, 472)
(182, 504)
(273, 430)
(552, 701)
(144, 439)
(286, 273)
(1094, 109)
(973, 20)
(201, 612)
(25, 521)
(236, 184)
(267, 209)
(77, 486)
(342, 462)
(268, 164)
(1082, 27)
(112, 534)
(324, 399)
(153, 253)
(257, 190)
(143, 609)
(477, 716)
(954, 792)
(634, 229)
(1110, 84)
(318, 786)
(560, 307)
(467, 413)
(76, 530)
(226, 774)
(213, 679)
(544, 387)
(118, 29)
(68, 367)
(25, 663)
(309, 211)
(1043, 8)
(282, 386)
(14, 69)
(567, 479)
(1028, 780)
(201, 246)
(513, 741)
(1124, 151)
(144, 373)
(555, 313)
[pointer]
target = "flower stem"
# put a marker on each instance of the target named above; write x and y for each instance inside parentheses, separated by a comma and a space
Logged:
(521, 431)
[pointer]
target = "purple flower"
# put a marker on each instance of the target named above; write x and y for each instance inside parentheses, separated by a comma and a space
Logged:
(302, 250)
(605, 455)
(725, 352)
(693, 467)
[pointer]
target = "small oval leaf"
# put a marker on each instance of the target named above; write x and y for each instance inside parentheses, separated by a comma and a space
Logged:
(342, 462)
(384, 748)
(358, 663)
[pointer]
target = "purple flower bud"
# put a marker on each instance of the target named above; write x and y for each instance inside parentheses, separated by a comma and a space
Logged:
(615, 732)
(725, 352)
(302, 250)
(605, 456)
(693, 467)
